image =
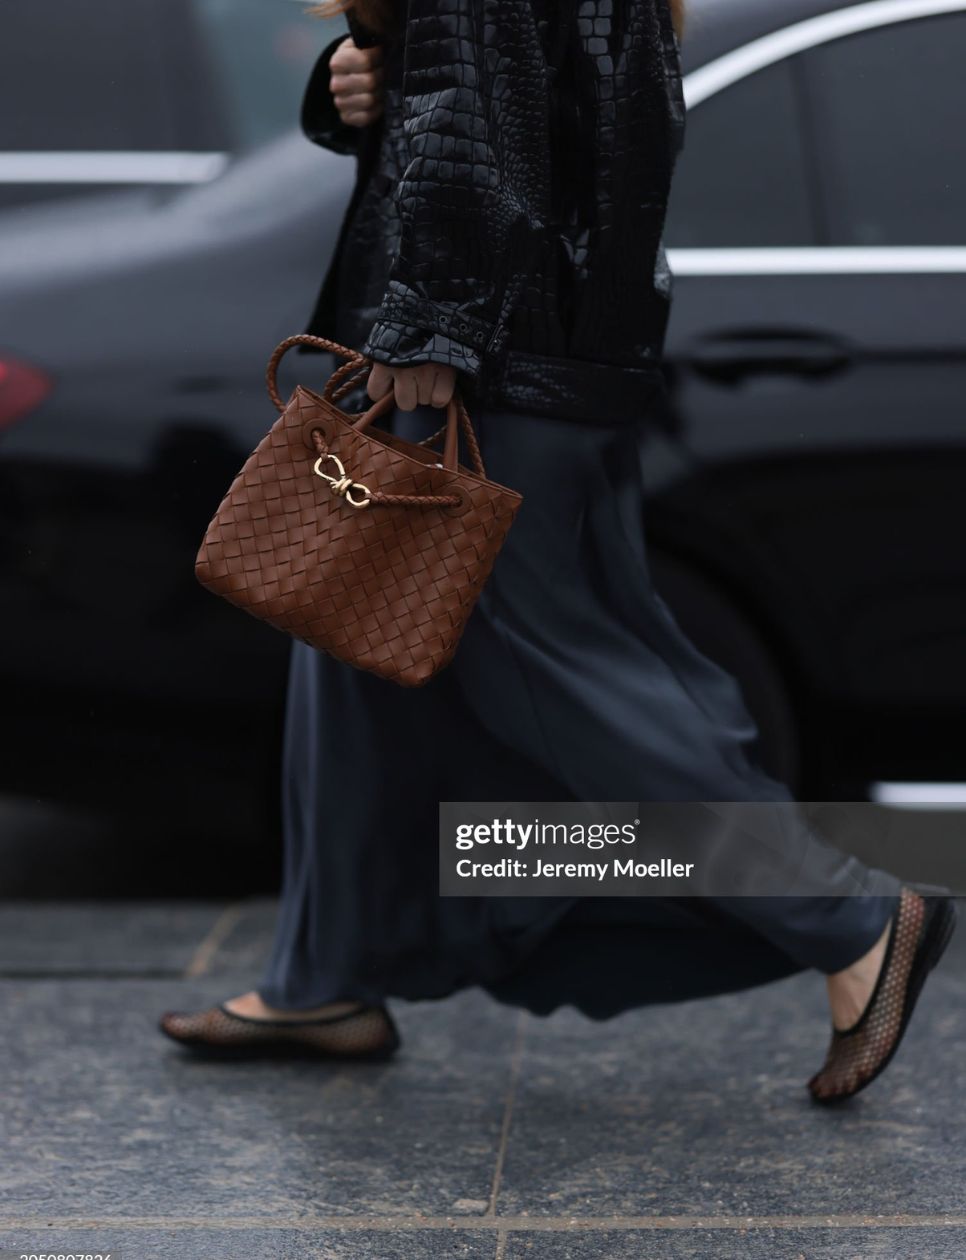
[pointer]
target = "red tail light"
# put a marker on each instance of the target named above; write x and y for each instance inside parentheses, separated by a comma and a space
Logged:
(22, 389)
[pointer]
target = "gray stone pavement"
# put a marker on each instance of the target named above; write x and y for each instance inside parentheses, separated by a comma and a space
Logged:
(677, 1131)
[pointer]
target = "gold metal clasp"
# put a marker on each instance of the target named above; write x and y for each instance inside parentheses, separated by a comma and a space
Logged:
(343, 485)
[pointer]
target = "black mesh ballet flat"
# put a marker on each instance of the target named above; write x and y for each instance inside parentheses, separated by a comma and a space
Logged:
(921, 929)
(368, 1032)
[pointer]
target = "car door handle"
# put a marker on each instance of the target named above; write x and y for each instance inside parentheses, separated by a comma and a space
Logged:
(734, 356)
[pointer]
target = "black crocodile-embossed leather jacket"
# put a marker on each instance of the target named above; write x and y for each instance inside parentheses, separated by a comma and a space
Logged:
(510, 201)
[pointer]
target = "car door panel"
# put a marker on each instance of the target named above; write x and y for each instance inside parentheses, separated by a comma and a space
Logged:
(836, 433)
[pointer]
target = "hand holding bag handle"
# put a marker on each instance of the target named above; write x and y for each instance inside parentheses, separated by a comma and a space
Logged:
(457, 417)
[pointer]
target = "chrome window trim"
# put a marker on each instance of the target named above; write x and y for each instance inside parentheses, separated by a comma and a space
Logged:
(732, 67)
(819, 260)
(107, 167)
(920, 795)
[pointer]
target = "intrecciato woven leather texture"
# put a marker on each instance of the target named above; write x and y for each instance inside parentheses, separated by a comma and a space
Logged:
(385, 588)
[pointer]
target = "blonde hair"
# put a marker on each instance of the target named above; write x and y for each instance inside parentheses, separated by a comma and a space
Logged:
(377, 15)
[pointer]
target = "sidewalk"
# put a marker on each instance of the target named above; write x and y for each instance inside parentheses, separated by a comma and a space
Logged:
(681, 1131)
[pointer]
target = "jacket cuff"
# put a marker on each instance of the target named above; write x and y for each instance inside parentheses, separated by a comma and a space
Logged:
(409, 329)
(320, 118)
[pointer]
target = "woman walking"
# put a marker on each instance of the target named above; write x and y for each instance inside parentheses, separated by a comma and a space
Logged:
(514, 163)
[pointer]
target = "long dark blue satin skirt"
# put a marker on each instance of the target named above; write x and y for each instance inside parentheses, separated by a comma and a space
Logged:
(572, 682)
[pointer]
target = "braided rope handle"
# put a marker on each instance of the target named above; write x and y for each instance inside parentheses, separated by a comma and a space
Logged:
(356, 362)
(356, 377)
(469, 434)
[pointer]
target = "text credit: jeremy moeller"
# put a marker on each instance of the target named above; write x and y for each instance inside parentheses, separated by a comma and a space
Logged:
(658, 848)
(555, 848)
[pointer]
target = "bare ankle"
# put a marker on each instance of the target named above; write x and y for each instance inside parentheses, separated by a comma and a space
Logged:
(252, 1006)
(849, 990)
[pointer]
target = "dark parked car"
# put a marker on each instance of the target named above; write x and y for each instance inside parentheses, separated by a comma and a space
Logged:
(165, 225)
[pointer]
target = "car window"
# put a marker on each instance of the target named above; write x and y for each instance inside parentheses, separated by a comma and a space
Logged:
(742, 178)
(262, 52)
(81, 77)
(889, 106)
(150, 75)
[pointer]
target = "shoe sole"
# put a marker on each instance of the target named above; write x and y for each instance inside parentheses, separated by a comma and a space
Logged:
(939, 932)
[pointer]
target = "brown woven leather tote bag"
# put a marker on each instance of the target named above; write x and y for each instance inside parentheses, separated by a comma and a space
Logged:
(365, 546)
